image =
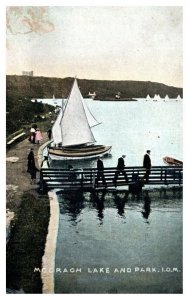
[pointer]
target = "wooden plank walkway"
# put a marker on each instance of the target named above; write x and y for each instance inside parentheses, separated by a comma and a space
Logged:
(85, 179)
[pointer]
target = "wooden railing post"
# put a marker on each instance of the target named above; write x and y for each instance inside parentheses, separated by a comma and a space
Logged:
(180, 177)
(93, 179)
(174, 175)
(165, 179)
(62, 178)
(161, 174)
(81, 179)
(43, 185)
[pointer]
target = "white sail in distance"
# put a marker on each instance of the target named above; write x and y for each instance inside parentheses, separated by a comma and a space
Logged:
(148, 97)
(74, 123)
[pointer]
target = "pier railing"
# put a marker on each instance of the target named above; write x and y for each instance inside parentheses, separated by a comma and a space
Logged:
(86, 179)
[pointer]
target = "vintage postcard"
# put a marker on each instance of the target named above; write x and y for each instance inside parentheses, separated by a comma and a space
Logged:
(94, 148)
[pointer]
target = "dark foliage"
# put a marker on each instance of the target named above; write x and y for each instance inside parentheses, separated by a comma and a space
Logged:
(26, 245)
(20, 112)
(45, 87)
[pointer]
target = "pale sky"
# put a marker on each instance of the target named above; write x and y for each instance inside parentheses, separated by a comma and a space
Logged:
(114, 43)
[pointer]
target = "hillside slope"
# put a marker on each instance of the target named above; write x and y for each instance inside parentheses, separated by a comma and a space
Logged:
(45, 87)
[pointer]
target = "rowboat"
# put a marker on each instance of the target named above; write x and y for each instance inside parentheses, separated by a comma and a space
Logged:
(172, 161)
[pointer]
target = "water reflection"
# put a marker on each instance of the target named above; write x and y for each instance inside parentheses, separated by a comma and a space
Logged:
(120, 200)
(146, 208)
(106, 228)
(72, 203)
(98, 202)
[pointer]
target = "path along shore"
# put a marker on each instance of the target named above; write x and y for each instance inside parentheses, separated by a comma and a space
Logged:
(27, 219)
(18, 180)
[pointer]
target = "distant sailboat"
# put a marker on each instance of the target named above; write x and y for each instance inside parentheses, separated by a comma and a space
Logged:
(148, 97)
(166, 98)
(178, 98)
(72, 134)
(54, 99)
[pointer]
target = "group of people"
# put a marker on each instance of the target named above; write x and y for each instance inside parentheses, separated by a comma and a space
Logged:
(35, 138)
(120, 169)
(35, 135)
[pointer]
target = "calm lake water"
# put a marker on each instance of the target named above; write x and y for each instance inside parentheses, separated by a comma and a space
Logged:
(136, 239)
(116, 242)
(133, 127)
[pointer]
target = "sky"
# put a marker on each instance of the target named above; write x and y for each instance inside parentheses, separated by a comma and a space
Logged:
(103, 42)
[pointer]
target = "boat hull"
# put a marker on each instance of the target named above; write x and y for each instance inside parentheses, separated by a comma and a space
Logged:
(79, 153)
(172, 161)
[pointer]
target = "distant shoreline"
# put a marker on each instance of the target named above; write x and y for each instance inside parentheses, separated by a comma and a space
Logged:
(28, 87)
(117, 100)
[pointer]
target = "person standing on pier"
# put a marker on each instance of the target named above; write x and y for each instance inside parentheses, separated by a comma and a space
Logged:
(147, 165)
(120, 169)
(100, 172)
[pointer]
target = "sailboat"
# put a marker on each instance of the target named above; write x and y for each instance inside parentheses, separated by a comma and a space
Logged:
(148, 97)
(178, 98)
(155, 97)
(72, 134)
(54, 99)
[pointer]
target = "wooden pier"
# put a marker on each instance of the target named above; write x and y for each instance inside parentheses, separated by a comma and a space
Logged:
(85, 179)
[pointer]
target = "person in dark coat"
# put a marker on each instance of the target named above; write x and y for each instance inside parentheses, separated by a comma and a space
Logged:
(33, 172)
(100, 172)
(31, 166)
(120, 169)
(49, 133)
(147, 165)
(30, 160)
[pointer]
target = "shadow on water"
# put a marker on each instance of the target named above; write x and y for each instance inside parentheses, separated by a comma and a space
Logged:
(97, 199)
(146, 207)
(118, 229)
(72, 203)
(120, 201)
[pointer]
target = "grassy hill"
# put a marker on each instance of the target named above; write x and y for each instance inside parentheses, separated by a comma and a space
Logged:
(45, 87)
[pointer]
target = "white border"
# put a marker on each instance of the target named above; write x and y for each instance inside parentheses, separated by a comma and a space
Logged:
(183, 3)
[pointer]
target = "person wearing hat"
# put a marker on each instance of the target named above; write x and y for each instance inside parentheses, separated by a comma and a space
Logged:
(100, 172)
(120, 169)
(147, 165)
